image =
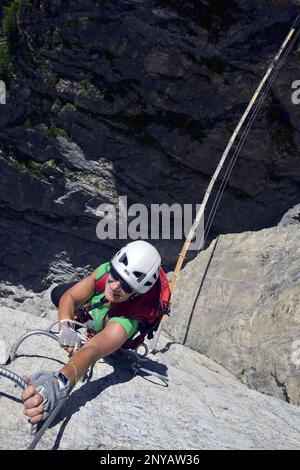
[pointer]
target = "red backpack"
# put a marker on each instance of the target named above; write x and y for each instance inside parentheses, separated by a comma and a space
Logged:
(148, 308)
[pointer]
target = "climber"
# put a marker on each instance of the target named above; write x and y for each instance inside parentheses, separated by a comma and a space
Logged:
(120, 294)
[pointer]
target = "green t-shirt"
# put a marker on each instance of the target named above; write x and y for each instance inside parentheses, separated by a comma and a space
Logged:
(129, 324)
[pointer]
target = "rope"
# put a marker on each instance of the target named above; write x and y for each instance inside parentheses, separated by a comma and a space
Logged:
(241, 142)
(275, 65)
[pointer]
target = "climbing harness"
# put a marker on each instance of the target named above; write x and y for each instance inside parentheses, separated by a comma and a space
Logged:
(260, 92)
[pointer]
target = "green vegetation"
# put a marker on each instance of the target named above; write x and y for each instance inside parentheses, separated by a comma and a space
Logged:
(69, 107)
(86, 84)
(12, 14)
(46, 70)
(57, 132)
(97, 185)
(6, 61)
(86, 88)
(57, 105)
(9, 32)
(35, 168)
(32, 120)
(32, 167)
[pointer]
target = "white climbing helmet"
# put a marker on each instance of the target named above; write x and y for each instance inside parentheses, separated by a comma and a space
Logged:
(138, 264)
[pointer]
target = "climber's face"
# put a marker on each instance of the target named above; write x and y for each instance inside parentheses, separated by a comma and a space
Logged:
(116, 290)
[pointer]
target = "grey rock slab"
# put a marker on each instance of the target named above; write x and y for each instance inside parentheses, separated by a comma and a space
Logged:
(292, 217)
(204, 406)
(240, 298)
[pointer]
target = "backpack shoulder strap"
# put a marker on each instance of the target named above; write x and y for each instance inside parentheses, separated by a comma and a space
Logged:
(101, 276)
(104, 268)
(165, 293)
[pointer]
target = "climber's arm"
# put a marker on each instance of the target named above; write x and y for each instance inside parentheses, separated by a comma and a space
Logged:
(104, 343)
(101, 345)
(76, 295)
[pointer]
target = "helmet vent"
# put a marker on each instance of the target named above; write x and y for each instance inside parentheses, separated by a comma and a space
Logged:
(139, 276)
(124, 259)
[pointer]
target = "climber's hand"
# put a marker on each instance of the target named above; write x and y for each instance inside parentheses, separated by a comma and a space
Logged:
(69, 339)
(33, 407)
(42, 395)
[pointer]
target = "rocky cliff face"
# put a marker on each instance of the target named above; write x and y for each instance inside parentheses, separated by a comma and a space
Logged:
(139, 99)
(117, 410)
(239, 303)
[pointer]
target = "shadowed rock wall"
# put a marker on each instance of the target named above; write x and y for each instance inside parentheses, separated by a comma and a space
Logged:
(139, 99)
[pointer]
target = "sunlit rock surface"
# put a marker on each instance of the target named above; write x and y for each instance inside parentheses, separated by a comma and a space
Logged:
(204, 406)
